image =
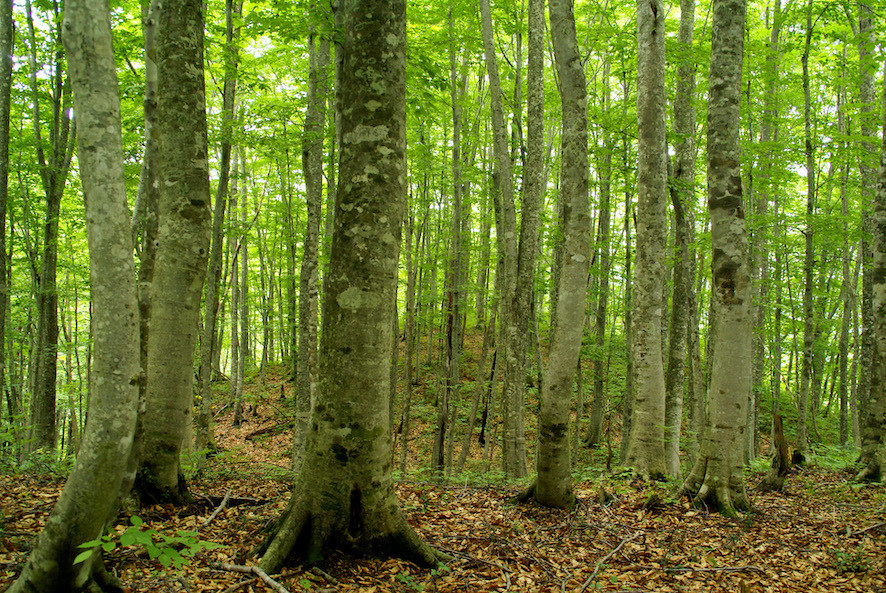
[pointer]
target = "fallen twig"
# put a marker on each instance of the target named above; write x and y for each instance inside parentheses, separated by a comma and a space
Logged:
(218, 509)
(257, 572)
(325, 575)
(604, 559)
(866, 529)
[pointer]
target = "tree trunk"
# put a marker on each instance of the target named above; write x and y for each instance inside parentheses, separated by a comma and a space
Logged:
(809, 253)
(204, 440)
(867, 119)
(183, 247)
(90, 495)
(873, 425)
(308, 287)
(683, 200)
(513, 341)
(344, 495)
(553, 486)
(54, 169)
(717, 478)
(595, 422)
(646, 441)
(7, 38)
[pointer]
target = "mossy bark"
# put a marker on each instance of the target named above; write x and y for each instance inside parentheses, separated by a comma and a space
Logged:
(344, 494)
(717, 478)
(182, 250)
(554, 483)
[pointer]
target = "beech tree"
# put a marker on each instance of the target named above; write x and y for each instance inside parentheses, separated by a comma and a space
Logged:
(717, 478)
(182, 251)
(344, 494)
(873, 426)
(90, 496)
(553, 486)
(646, 440)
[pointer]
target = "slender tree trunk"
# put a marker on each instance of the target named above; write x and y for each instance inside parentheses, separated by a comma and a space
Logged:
(203, 437)
(717, 478)
(53, 169)
(553, 486)
(308, 288)
(683, 200)
(7, 38)
(513, 435)
(646, 441)
(867, 119)
(809, 257)
(595, 421)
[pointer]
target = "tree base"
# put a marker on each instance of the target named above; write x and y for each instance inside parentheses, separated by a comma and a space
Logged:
(303, 534)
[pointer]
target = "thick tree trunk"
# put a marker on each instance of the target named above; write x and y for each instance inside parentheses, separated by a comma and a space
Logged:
(717, 478)
(344, 495)
(183, 247)
(91, 492)
(646, 441)
(553, 485)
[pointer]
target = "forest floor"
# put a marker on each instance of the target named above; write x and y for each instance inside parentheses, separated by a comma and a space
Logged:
(822, 533)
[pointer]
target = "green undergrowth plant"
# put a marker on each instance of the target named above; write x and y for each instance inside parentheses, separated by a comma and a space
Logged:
(169, 550)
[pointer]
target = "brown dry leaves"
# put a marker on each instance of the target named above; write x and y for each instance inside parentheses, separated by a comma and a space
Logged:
(804, 539)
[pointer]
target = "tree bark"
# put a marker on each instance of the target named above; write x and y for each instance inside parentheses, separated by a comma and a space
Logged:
(344, 495)
(717, 478)
(182, 251)
(553, 486)
(203, 437)
(682, 192)
(873, 425)
(646, 441)
(516, 267)
(54, 169)
(90, 495)
(7, 38)
(308, 288)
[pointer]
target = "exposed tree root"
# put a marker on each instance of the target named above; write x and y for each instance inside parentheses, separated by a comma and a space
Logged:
(303, 535)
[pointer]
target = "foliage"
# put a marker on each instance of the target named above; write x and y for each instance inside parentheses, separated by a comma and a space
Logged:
(169, 550)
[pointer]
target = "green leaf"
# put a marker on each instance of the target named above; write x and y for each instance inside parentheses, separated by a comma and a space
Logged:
(90, 544)
(82, 556)
(136, 520)
(109, 546)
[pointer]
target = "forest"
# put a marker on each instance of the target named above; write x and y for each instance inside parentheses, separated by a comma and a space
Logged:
(376, 295)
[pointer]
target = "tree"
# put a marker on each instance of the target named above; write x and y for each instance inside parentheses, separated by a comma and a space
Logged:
(54, 164)
(682, 190)
(182, 251)
(312, 164)
(203, 439)
(553, 486)
(344, 494)
(873, 425)
(90, 495)
(717, 478)
(646, 441)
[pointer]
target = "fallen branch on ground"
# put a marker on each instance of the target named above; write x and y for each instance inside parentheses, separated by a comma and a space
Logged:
(257, 572)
